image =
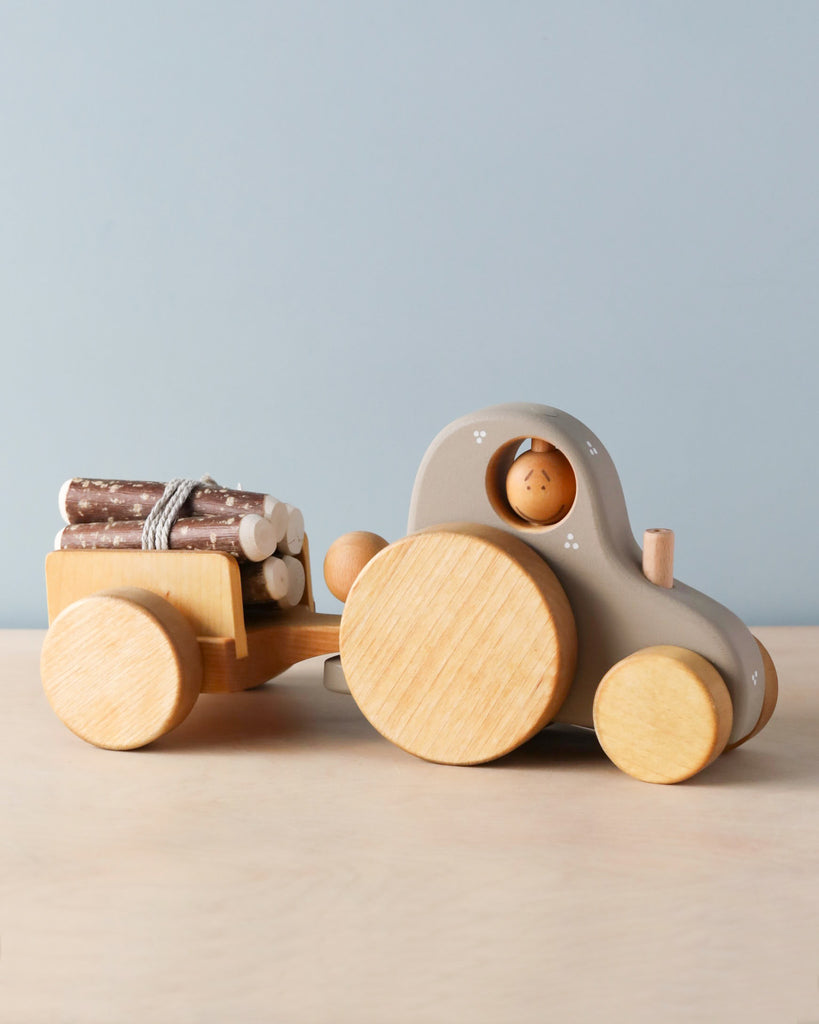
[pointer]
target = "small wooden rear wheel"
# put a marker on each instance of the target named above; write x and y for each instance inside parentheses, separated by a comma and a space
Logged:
(769, 699)
(121, 667)
(458, 643)
(663, 714)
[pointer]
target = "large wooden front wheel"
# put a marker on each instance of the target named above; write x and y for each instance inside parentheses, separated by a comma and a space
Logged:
(663, 714)
(121, 667)
(458, 643)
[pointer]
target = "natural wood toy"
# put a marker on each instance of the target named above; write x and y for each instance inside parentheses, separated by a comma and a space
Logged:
(136, 635)
(520, 597)
(346, 557)
(540, 484)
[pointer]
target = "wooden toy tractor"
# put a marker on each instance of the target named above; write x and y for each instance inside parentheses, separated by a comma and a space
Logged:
(520, 597)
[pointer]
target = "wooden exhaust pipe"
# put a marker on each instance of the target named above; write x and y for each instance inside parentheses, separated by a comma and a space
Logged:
(658, 557)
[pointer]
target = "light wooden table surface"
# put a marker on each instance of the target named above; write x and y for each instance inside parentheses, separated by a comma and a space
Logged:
(274, 859)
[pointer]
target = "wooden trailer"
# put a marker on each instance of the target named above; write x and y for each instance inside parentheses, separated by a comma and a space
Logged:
(136, 636)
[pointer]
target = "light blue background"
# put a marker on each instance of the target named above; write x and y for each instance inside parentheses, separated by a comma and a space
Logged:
(286, 244)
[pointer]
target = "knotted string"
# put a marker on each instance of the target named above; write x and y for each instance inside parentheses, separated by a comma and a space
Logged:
(156, 530)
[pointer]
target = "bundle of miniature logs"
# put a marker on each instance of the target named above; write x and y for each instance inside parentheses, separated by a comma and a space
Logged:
(264, 534)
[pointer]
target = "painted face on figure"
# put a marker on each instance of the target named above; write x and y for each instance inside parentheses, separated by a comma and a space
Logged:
(540, 485)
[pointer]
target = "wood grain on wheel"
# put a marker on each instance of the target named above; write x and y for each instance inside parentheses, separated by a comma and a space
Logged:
(663, 714)
(458, 643)
(121, 667)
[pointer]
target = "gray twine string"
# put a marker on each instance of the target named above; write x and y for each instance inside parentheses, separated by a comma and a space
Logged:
(156, 531)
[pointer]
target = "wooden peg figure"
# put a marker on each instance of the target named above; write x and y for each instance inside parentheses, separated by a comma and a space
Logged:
(540, 484)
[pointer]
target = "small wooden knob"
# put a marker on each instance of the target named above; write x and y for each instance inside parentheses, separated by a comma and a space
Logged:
(663, 714)
(458, 643)
(540, 484)
(121, 667)
(658, 557)
(346, 557)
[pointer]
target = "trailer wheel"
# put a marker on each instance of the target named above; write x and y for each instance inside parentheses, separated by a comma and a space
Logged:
(121, 667)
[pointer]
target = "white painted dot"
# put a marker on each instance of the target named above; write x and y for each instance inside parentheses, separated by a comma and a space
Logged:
(575, 546)
(570, 536)
(479, 440)
(483, 433)
(475, 433)
(567, 545)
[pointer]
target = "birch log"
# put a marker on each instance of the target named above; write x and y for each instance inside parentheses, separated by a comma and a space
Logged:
(84, 500)
(280, 580)
(297, 582)
(251, 537)
(293, 540)
(265, 581)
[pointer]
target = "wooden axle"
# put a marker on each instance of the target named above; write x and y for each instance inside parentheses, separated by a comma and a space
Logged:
(276, 640)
